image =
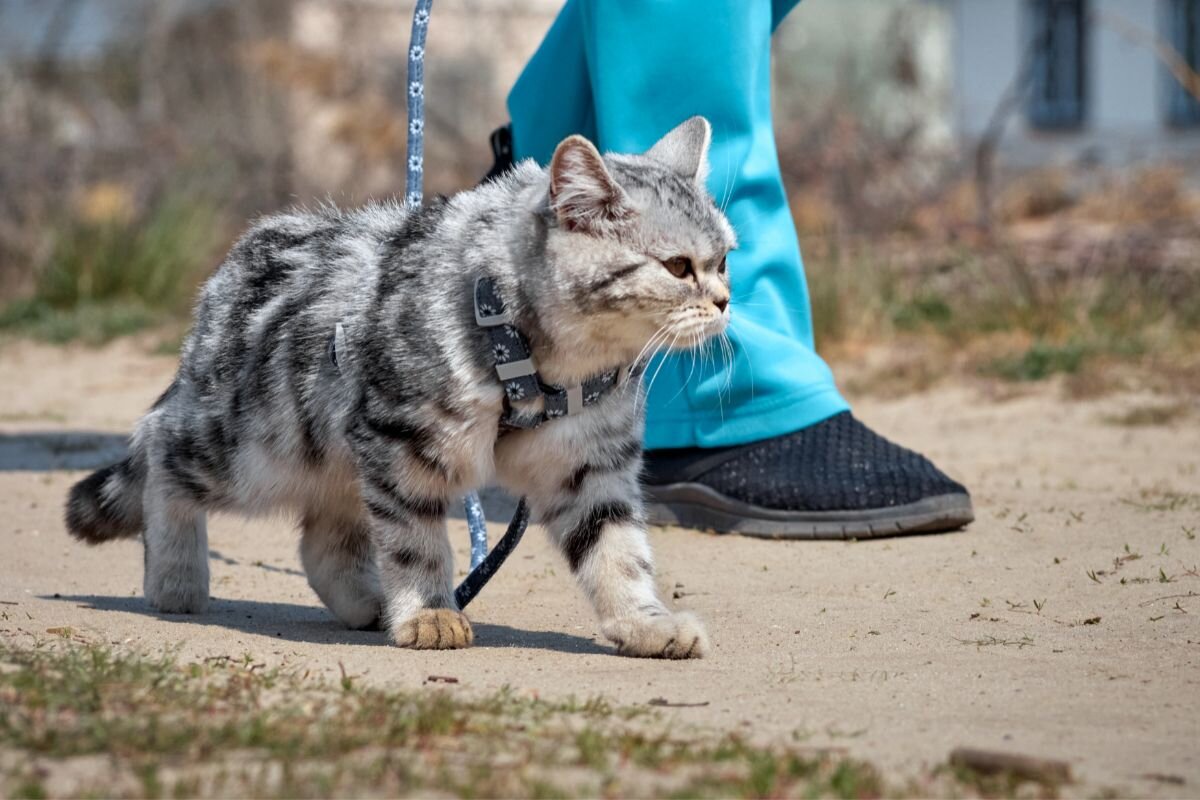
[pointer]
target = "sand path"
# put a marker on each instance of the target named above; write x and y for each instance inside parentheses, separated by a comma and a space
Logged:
(897, 650)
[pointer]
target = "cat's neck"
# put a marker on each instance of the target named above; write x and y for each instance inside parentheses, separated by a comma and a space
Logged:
(572, 364)
(564, 347)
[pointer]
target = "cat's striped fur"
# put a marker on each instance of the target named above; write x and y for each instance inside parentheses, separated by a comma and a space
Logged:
(370, 452)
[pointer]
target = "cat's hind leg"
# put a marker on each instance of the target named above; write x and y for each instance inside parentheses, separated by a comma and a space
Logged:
(339, 562)
(176, 549)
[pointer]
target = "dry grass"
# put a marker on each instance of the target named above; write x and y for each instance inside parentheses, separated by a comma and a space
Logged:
(227, 727)
(79, 720)
(1069, 287)
(1150, 415)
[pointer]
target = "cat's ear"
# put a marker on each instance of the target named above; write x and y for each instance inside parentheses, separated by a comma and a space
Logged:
(685, 149)
(583, 194)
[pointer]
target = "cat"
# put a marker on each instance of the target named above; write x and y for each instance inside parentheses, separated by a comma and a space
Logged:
(337, 367)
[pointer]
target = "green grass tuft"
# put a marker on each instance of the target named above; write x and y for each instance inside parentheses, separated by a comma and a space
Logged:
(1041, 361)
(156, 261)
(923, 311)
(113, 278)
(91, 323)
(990, 311)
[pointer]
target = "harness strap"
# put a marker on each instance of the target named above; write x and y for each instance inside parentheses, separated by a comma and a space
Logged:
(511, 352)
(512, 356)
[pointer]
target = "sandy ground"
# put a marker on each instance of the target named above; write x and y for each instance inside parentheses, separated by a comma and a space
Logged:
(897, 650)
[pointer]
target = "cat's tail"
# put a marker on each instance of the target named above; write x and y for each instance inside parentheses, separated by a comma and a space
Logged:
(107, 504)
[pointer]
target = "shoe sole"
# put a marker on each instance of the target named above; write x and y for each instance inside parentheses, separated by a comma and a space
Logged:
(693, 505)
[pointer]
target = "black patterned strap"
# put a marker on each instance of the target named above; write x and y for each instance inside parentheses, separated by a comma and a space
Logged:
(515, 368)
(511, 353)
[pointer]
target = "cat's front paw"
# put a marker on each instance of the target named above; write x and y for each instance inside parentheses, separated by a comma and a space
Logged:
(181, 594)
(434, 629)
(667, 636)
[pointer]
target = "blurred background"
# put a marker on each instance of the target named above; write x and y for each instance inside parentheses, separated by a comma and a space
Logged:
(1002, 189)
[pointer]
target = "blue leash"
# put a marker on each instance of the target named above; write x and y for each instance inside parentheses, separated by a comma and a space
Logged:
(414, 177)
(483, 563)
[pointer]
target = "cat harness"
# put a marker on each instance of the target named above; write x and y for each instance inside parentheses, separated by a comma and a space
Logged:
(512, 356)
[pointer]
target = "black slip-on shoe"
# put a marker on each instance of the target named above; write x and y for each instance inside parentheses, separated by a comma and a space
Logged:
(837, 479)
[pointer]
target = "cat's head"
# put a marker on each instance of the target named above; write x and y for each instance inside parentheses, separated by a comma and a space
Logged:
(636, 244)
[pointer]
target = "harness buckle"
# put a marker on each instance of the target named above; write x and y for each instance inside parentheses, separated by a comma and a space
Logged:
(490, 320)
(574, 400)
(515, 369)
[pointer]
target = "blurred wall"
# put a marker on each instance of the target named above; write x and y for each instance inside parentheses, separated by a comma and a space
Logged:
(888, 59)
(1125, 110)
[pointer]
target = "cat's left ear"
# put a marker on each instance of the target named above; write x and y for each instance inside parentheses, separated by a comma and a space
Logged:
(583, 194)
(685, 149)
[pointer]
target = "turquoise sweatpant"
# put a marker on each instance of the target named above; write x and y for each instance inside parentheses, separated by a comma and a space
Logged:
(623, 73)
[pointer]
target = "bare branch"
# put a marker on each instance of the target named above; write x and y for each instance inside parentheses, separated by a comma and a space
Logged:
(1171, 58)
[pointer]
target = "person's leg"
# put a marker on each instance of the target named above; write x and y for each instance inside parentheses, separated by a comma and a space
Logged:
(552, 98)
(766, 445)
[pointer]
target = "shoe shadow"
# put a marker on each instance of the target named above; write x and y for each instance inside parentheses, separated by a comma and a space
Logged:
(45, 451)
(311, 624)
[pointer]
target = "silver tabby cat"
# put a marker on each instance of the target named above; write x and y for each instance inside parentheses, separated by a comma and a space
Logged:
(599, 259)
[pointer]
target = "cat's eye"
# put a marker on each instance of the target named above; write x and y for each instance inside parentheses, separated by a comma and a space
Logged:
(679, 266)
(721, 267)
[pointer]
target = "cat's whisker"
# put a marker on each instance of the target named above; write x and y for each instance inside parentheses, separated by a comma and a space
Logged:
(709, 350)
(707, 353)
(759, 289)
(710, 347)
(650, 346)
(662, 362)
(654, 346)
(727, 366)
(721, 390)
(749, 361)
(727, 192)
(660, 344)
(784, 306)
(727, 357)
(728, 354)
(693, 339)
(741, 300)
(647, 352)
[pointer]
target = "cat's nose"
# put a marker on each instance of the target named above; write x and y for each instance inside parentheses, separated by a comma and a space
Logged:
(721, 303)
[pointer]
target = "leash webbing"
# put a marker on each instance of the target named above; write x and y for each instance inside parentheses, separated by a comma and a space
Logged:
(483, 563)
(414, 185)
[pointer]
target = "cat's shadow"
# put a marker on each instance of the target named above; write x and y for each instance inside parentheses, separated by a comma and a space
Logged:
(310, 624)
